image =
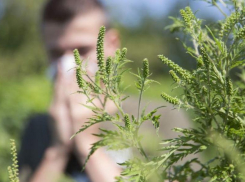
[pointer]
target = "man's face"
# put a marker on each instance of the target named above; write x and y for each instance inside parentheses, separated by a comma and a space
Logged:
(79, 33)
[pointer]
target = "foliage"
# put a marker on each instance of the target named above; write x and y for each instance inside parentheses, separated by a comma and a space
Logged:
(218, 103)
(18, 102)
(21, 48)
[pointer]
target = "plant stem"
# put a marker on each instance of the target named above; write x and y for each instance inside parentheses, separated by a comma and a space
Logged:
(215, 4)
(196, 47)
(141, 92)
(89, 99)
(118, 107)
(142, 150)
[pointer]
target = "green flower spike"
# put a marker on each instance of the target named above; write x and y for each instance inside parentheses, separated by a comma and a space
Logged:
(80, 80)
(189, 13)
(92, 87)
(13, 170)
(108, 65)
(229, 86)
(77, 57)
(100, 50)
(170, 99)
(174, 76)
(241, 34)
(145, 68)
(123, 54)
(229, 23)
(127, 122)
(176, 68)
(187, 18)
(204, 56)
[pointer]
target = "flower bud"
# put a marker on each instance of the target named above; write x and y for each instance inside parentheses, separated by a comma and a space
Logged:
(170, 99)
(229, 86)
(77, 57)
(145, 68)
(174, 76)
(100, 49)
(127, 122)
(108, 65)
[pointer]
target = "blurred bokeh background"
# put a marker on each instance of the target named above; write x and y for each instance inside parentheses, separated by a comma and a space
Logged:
(24, 87)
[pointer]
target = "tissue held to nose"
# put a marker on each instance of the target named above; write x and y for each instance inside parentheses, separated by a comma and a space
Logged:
(67, 64)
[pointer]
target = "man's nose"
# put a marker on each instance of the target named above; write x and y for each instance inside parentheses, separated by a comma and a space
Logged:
(68, 52)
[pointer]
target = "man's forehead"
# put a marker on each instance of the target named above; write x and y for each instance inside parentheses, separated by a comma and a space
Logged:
(84, 24)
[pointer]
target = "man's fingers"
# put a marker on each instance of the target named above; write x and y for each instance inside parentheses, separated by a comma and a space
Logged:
(60, 86)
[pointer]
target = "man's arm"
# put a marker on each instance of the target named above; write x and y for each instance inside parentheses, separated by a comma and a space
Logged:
(52, 165)
(55, 158)
(100, 167)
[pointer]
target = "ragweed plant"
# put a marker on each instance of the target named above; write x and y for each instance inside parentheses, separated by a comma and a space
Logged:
(217, 101)
(13, 169)
(105, 86)
(209, 91)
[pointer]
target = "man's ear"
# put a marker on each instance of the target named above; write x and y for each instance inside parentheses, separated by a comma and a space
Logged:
(112, 42)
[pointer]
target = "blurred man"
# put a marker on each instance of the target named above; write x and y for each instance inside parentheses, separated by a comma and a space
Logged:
(46, 150)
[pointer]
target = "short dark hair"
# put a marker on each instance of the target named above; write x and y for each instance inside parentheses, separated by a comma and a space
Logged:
(62, 11)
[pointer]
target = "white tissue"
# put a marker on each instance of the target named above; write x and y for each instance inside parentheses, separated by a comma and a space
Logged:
(67, 63)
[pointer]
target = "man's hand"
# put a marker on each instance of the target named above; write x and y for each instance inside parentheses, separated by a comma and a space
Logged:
(100, 167)
(60, 113)
(79, 114)
(69, 115)
(56, 157)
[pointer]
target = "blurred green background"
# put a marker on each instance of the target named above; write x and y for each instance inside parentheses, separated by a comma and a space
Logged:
(24, 88)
